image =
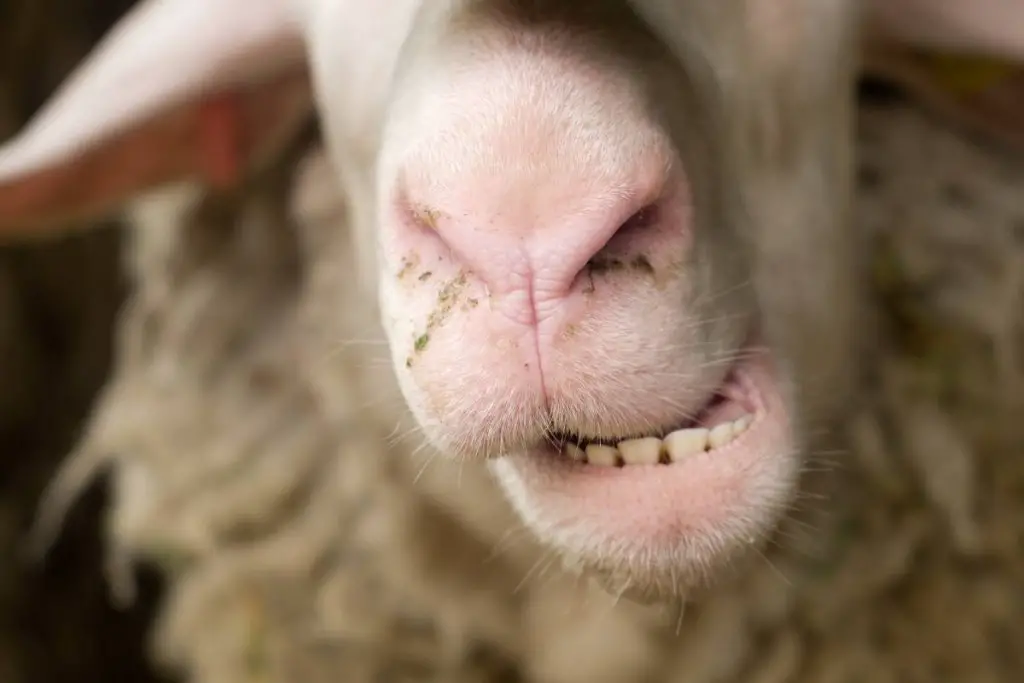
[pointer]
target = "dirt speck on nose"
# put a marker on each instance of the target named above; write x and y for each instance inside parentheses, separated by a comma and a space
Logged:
(427, 217)
(449, 296)
(599, 266)
(638, 264)
(642, 264)
(409, 262)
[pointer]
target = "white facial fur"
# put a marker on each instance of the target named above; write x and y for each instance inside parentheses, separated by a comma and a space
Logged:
(490, 191)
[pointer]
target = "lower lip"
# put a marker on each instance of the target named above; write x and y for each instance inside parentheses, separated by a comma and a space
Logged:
(654, 510)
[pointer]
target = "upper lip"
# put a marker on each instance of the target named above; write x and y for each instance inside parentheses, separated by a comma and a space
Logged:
(561, 437)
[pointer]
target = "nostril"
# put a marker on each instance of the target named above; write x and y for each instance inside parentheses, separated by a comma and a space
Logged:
(638, 222)
(644, 218)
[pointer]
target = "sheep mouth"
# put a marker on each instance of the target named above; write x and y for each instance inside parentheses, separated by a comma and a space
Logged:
(727, 415)
(668, 506)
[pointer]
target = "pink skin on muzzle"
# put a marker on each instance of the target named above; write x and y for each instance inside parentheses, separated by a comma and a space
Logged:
(543, 275)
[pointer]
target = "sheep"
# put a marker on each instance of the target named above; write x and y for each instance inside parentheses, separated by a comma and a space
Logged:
(242, 306)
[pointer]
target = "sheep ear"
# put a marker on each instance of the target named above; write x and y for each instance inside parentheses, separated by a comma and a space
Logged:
(179, 89)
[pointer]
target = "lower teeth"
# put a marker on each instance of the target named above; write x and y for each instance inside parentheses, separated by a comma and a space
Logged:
(675, 447)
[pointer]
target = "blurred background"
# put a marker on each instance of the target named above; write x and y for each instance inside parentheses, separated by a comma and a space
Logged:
(57, 307)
